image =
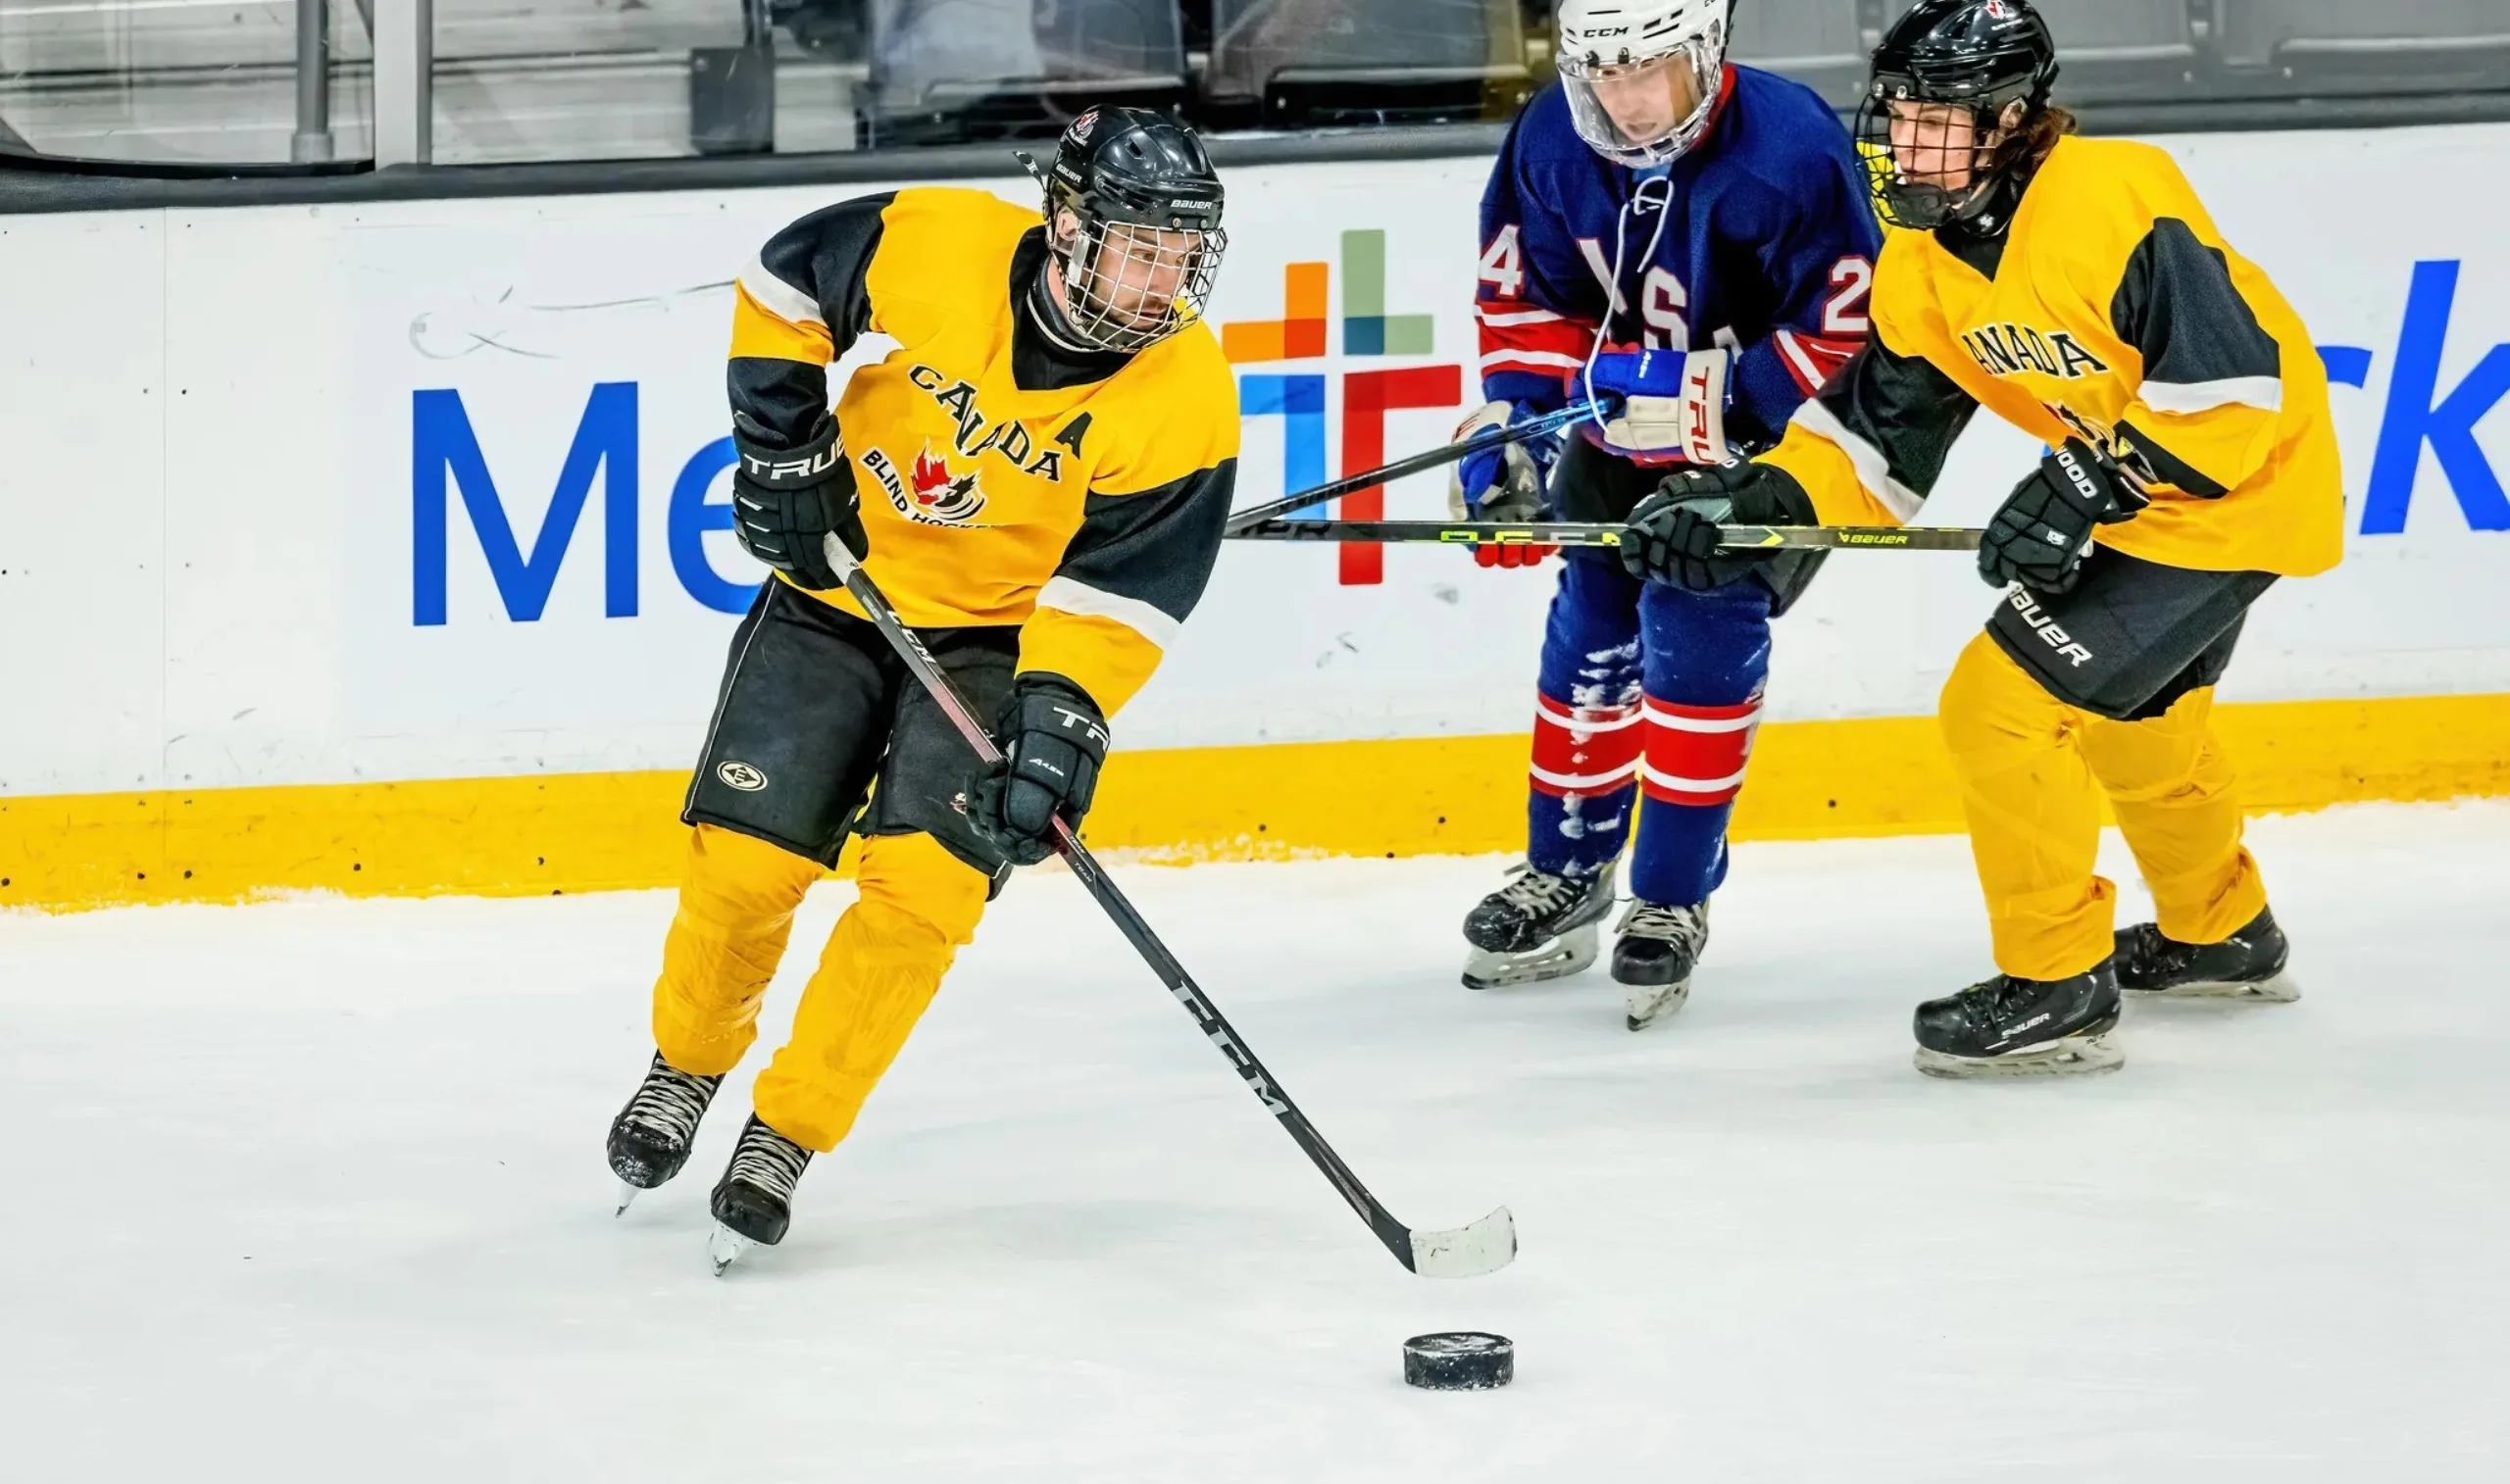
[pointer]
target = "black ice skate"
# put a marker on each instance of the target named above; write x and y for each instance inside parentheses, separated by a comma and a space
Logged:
(1658, 948)
(2246, 966)
(1538, 926)
(2009, 1027)
(753, 1204)
(649, 1139)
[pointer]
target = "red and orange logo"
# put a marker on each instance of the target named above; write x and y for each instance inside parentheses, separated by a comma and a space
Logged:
(930, 495)
(941, 494)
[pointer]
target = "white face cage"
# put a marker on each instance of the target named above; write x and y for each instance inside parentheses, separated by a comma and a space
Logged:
(1642, 113)
(1128, 285)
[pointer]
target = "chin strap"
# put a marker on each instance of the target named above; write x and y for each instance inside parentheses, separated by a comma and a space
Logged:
(1994, 219)
(1042, 299)
(1049, 316)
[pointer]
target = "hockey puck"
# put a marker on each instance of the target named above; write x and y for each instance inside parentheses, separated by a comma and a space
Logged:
(1459, 1361)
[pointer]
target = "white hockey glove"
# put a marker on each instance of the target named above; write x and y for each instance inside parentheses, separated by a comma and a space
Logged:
(1662, 403)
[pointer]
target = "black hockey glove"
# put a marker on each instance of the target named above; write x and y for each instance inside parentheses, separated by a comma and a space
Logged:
(1053, 740)
(2041, 533)
(1671, 535)
(785, 501)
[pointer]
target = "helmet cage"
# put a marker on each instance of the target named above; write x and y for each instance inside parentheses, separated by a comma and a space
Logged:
(1129, 284)
(1137, 249)
(1698, 61)
(1923, 205)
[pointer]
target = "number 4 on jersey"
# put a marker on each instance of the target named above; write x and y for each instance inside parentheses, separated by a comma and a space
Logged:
(1502, 265)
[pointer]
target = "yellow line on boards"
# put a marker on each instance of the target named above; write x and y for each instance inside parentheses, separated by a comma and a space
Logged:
(576, 832)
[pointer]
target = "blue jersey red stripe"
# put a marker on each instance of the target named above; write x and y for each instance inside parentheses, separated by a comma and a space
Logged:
(1765, 245)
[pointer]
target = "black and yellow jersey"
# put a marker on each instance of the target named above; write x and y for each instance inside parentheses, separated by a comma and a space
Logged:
(2112, 310)
(1004, 479)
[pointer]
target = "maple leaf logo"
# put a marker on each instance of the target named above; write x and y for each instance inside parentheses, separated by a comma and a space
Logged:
(940, 493)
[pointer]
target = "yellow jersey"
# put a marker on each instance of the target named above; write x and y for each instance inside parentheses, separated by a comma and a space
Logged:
(2113, 311)
(1005, 478)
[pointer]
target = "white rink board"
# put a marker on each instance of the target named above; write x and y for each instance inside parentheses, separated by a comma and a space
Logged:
(207, 543)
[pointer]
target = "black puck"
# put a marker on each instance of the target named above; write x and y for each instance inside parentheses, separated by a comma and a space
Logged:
(1459, 1361)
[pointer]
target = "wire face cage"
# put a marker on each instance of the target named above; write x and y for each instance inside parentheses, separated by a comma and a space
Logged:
(1128, 285)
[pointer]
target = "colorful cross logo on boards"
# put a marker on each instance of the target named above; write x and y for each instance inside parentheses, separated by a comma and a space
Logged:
(1298, 398)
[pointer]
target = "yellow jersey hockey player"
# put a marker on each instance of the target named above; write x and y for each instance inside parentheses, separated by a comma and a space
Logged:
(1038, 477)
(2079, 290)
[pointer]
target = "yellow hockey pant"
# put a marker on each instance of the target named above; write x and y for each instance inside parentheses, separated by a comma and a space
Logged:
(917, 905)
(2032, 772)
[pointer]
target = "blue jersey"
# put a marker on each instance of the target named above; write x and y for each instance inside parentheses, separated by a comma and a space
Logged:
(1764, 243)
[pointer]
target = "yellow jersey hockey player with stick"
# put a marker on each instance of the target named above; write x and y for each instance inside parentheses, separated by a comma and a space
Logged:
(2079, 290)
(1037, 477)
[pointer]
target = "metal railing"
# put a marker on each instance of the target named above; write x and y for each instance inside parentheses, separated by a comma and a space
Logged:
(312, 142)
(202, 84)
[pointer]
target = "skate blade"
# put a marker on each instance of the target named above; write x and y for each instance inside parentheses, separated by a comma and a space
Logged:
(724, 1246)
(2070, 1057)
(1565, 955)
(1648, 1003)
(2280, 989)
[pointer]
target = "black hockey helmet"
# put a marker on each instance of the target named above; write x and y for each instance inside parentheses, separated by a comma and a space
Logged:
(1133, 219)
(1966, 79)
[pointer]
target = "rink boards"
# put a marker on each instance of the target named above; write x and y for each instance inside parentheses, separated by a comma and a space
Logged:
(382, 548)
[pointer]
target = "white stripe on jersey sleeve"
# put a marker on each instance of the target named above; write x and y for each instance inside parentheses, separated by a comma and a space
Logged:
(1067, 595)
(1873, 471)
(1517, 316)
(1500, 359)
(2265, 393)
(780, 298)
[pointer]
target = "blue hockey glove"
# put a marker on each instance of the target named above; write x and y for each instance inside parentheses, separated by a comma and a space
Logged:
(1504, 483)
(1661, 403)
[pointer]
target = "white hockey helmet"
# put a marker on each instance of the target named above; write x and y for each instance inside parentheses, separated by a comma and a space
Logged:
(1643, 75)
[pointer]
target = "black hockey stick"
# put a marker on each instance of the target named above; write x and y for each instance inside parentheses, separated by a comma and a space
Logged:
(1240, 521)
(1468, 1252)
(1571, 533)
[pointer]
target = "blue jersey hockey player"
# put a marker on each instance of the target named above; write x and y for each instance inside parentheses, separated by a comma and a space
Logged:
(1690, 244)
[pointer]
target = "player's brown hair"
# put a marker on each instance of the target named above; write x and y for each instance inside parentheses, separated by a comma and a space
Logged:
(2039, 135)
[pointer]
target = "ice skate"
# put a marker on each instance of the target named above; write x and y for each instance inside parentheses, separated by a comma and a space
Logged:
(753, 1204)
(649, 1140)
(2249, 964)
(2010, 1027)
(1538, 926)
(1658, 948)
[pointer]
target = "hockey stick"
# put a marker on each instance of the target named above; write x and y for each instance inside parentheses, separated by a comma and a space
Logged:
(1468, 1252)
(1571, 533)
(1483, 442)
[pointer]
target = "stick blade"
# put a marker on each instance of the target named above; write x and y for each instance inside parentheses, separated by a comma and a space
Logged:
(1467, 1252)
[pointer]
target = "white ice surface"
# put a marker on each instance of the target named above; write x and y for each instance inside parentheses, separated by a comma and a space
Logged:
(313, 1191)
